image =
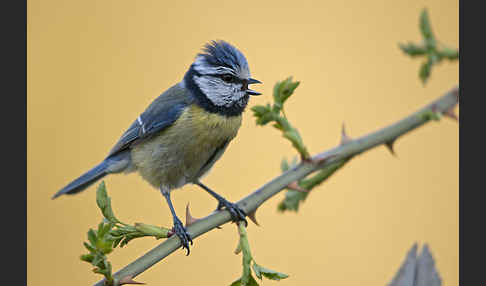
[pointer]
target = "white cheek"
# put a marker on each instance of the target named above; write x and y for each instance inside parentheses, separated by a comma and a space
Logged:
(219, 92)
(214, 90)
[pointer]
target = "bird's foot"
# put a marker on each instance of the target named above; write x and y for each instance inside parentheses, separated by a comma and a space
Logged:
(183, 235)
(237, 214)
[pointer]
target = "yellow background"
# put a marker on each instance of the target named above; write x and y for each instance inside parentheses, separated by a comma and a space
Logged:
(93, 66)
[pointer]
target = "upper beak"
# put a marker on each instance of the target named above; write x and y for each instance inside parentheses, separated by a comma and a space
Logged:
(250, 91)
(252, 80)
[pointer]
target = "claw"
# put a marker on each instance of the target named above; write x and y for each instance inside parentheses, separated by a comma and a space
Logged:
(237, 214)
(183, 235)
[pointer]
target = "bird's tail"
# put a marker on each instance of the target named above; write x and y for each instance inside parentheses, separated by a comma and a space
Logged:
(88, 178)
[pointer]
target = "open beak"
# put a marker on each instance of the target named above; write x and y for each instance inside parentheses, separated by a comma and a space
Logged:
(252, 81)
(250, 91)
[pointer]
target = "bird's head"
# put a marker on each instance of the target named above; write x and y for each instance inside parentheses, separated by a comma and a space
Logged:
(219, 78)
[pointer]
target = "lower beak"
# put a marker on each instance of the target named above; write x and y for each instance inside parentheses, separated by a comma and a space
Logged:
(252, 92)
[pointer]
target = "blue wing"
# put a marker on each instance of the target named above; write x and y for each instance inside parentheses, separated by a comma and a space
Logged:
(159, 115)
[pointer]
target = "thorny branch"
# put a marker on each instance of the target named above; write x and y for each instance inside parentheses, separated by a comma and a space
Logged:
(443, 106)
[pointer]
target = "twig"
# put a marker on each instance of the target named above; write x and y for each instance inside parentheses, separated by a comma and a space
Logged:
(251, 202)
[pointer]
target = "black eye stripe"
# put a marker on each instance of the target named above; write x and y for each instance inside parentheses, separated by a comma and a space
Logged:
(235, 79)
(227, 78)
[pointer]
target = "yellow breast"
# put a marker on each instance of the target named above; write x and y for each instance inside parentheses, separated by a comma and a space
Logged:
(207, 124)
(176, 155)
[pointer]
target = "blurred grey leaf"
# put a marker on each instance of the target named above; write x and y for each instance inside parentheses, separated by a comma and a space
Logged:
(417, 271)
(427, 274)
(406, 274)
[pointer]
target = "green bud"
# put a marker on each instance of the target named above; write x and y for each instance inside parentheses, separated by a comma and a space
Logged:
(152, 230)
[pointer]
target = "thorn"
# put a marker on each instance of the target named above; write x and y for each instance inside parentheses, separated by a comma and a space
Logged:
(450, 113)
(295, 186)
(389, 145)
(129, 280)
(344, 137)
(252, 216)
(189, 218)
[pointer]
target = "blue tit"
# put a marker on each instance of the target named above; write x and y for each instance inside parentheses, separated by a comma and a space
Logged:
(184, 131)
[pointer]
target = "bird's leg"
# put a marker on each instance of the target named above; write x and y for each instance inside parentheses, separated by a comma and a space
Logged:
(237, 214)
(178, 228)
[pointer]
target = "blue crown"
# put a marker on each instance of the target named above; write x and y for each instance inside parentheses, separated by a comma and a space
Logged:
(221, 53)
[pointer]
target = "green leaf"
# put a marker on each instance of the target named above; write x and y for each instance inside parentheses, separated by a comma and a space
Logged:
(264, 114)
(412, 49)
(97, 259)
(89, 247)
(288, 90)
(107, 267)
(424, 71)
(430, 115)
(284, 165)
(104, 203)
(426, 30)
(103, 229)
(281, 92)
(129, 237)
(251, 282)
(291, 201)
(117, 241)
(268, 273)
(265, 118)
(105, 246)
(119, 231)
(434, 58)
(87, 257)
(450, 54)
(278, 126)
(277, 102)
(428, 49)
(259, 110)
(256, 270)
(294, 198)
(100, 271)
(92, 237)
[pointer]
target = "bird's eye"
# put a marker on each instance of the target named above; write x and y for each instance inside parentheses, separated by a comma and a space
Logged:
(227, 78)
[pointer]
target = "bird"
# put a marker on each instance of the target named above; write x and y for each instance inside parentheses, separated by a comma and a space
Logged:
(184, 131)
